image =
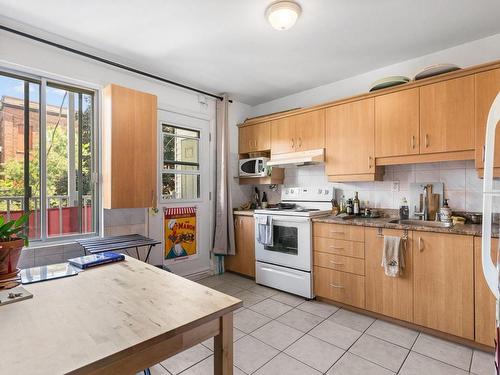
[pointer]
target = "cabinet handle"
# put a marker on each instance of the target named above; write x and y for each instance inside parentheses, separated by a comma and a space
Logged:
(337, 286)
(420, 244)
(300, 142)
(236, 223)
(484, 147)
(337, 264)
(413, 142)
(336, 248)
(293, 143)
(337, 232)
(250, 144)
(369, 162)
(426, 140)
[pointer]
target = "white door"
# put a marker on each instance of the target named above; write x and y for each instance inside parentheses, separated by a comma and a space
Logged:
(184, 180)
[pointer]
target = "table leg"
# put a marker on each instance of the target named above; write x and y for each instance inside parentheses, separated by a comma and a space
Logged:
(223, 347)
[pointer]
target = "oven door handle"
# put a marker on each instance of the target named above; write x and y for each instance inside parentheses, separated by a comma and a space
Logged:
(285, 219)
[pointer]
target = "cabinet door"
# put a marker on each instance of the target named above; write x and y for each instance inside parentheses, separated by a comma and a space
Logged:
(339, 286)
(246, 143)
(397, 124)
(283, 137)
(487, 88)
(254, 138)
(350, 138)
(310, 130)
(447, 116)
(391, 296)
(485, 301)
(243, 261)
(443, 282)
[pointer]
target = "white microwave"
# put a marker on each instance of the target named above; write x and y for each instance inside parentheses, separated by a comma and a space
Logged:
(253, 167)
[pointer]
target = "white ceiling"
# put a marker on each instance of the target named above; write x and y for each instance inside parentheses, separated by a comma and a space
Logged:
(228, 46)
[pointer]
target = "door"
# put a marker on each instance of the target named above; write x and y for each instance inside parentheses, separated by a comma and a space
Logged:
(443, 282)
(447, 116)
(283, 137)
(310, 130)
(397, 124)
(487, 88)
(484, 299)
(350, 138)
(184, 182)
(244, 260)
(391, 296)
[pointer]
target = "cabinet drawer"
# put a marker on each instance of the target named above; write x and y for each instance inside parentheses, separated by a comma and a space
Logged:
(340, 263)
(339, 247)
(339, 286)
(339, 231)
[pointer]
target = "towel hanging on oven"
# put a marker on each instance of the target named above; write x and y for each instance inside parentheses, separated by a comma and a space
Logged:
(264, 229)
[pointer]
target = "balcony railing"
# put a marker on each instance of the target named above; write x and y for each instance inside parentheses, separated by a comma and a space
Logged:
(62, 218)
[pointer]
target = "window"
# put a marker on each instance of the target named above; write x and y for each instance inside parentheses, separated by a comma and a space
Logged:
(47, 156)
(181, 165)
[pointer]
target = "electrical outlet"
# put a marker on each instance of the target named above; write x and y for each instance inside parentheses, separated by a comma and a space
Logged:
(395, 186)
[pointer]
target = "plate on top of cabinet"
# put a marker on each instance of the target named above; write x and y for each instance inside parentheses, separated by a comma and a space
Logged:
(434, 70)
(385, 82)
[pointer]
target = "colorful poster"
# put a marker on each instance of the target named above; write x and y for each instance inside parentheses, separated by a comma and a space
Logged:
(180, 233)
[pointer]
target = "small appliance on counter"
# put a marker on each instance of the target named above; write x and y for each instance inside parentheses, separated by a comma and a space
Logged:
(253, 167)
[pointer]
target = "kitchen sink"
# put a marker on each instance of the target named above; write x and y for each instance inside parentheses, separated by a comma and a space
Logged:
(422, 223)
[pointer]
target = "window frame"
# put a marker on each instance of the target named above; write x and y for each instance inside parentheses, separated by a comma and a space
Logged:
(45, 81)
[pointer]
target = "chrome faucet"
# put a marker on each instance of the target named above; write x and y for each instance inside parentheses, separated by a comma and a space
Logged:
(424, 215)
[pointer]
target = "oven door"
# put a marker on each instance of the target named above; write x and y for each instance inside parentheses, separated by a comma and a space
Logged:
(291, 245)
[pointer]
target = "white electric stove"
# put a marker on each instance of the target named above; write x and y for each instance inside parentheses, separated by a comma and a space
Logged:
(286, 264)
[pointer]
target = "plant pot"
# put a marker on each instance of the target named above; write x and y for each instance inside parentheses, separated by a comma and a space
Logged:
(10, 251)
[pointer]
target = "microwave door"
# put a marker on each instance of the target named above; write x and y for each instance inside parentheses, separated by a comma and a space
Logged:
(249, 167)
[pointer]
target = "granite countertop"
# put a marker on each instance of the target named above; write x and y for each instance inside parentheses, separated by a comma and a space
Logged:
(243, 212)
(467, 229)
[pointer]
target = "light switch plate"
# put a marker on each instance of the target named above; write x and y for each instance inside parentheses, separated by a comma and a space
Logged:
(395, 186)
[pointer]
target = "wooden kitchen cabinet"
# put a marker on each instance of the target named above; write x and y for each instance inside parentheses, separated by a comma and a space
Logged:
(298, 133)
(243, 262)
(487, 86)
(397, 124)
(254, 138)
(339, 286)
(350, 146)
(484, 300)
(129, 148)
(447, 116)
(443, 269)
(390, 296)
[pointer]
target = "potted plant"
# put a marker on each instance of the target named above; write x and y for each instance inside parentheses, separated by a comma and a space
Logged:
(12, 241)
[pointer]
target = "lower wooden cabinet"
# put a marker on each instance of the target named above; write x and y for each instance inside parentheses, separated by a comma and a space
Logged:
(339, 286)
(391, 296)
(484, 306)
(243, 262)
(444, 282)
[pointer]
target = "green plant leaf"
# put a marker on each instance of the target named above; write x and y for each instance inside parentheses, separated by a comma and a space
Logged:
(4, 228)
(23, 219)
(2, 220)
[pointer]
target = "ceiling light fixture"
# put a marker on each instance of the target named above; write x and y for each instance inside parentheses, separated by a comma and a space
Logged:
(282, 15)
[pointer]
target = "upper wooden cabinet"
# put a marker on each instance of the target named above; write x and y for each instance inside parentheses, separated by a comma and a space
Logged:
(487, 88)
(443, 269)
(129, 148)
(397, 124)
(484, 299)
(254, 138)
(298, 133)
(447, 116)
(350, 131)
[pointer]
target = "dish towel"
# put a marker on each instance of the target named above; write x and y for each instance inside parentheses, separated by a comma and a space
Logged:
(264, 229)
(393, 259)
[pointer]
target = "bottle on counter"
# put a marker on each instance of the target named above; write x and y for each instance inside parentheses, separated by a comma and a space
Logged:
(355, 208)
(445, 213)
(342, 204)
(349, 207)
(263, 202)
(404, 211)
(367, 211)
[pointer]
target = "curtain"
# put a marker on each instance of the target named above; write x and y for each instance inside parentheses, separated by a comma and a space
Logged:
(224, 230)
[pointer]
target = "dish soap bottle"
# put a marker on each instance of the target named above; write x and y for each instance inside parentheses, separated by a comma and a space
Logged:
(445, 212)
(404, 212)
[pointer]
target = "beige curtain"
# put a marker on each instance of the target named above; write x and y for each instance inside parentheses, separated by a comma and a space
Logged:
(224, 230)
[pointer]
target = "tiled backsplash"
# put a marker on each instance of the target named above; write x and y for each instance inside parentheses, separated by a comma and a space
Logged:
(461, 184)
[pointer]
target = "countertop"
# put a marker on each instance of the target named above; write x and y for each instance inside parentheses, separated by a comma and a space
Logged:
(243, 212)
(467, 229)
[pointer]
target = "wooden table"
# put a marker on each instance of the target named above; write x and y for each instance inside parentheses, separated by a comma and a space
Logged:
(114, 319)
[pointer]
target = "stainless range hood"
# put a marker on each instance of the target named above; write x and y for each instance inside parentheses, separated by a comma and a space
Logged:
(298, 158)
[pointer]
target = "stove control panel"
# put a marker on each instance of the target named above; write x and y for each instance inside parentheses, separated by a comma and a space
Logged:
(314, 194)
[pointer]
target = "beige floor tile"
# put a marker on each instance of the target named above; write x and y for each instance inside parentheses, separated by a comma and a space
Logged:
(263, 291)
(249, 298)
(482, 363)
(243, 283)
(289, 299)
(445, 351)
(211, 281)
(250, 354)
(353, 320)
(237, 334)
(335, 334)
(315, 352)
(271, 308)
(248, 321)
(227, 288)
(321, 309)
(381, 352)
(206, 367)
(417, 364)
(158, 370)
(277, 334)
(285, 365)
(185, 359)
(301, 320)
(401, 336)
(351, 364)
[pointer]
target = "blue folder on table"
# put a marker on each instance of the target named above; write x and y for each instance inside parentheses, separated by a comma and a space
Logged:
(96, 259)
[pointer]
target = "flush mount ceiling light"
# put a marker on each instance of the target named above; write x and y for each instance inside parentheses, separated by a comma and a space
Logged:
(282, 15)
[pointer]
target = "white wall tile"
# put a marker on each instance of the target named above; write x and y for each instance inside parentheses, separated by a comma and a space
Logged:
(457, 199)
(453, 179)
(427, 175)
(473, 201)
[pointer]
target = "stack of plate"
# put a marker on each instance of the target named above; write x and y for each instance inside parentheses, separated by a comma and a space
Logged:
(388, 82)
(434, 70)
